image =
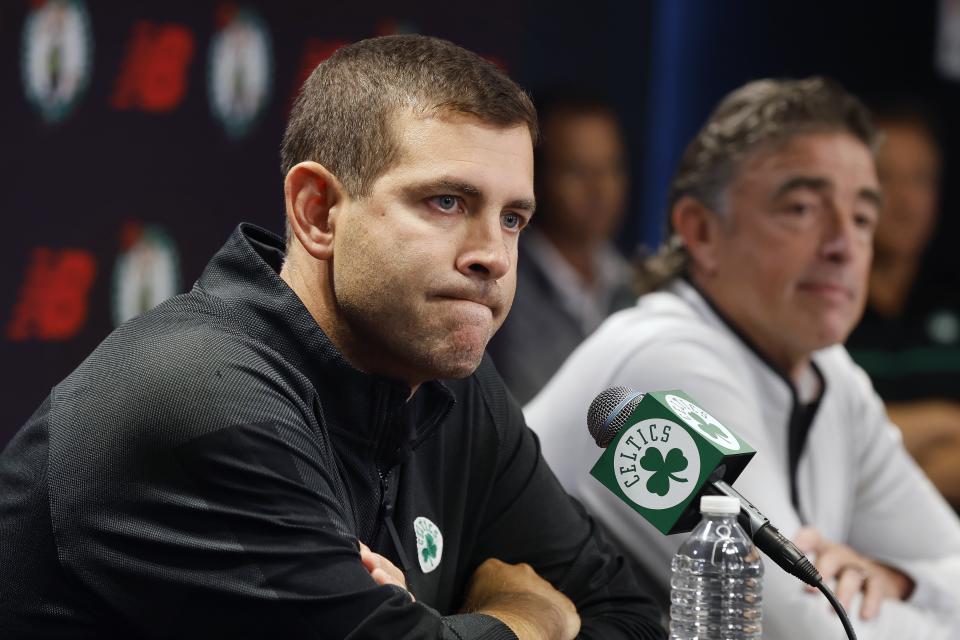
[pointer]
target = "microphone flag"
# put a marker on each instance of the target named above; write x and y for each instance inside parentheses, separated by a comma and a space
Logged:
(667, 450)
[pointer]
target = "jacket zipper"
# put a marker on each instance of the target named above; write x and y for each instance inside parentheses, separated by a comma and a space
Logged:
(386, 509)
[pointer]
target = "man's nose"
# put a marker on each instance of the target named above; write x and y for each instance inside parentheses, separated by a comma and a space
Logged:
(486, 253)
(839, 235)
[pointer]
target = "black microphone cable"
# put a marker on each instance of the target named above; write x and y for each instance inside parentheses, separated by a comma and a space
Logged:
(847, 626)
(782, 551)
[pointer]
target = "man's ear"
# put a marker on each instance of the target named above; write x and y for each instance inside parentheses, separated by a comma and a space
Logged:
(699, 227)
(313, 197)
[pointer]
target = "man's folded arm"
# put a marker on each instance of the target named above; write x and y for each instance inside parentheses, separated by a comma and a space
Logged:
(239, 531)
(530, 518)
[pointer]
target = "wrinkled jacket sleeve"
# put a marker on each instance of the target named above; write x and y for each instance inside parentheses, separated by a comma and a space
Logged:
(530, 518)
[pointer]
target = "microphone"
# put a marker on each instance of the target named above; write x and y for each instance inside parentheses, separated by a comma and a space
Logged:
(662, 451)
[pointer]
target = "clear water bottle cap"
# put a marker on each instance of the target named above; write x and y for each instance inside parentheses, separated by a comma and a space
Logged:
(725, 505)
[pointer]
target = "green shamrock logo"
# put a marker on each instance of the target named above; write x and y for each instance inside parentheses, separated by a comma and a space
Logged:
(708, 429)
(653, 460)
(430, 551)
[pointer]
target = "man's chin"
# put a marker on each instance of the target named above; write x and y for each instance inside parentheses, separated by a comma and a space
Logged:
(457, 364)
(461, 369)
(831, 335)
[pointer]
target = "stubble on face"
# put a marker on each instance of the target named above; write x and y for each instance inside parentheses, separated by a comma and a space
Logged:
(403, 307)
(390, 321)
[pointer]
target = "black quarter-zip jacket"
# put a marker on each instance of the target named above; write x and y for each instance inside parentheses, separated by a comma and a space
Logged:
(210, 467)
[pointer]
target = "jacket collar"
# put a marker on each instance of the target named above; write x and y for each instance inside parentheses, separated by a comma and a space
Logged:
(685, 288)
(802, 412)
(369, 409)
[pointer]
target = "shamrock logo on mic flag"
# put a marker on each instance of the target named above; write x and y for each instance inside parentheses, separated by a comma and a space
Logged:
(666, 450)
(663, 468)
(708, 429)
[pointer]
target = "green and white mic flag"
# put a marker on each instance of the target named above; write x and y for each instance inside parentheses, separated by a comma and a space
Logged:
(659, 461)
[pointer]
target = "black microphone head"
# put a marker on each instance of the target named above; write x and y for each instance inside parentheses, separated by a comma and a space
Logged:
(609, 412)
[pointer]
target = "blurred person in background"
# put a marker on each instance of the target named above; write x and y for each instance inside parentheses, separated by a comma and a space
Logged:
(909, 338)
(772, 213)
(570, 277)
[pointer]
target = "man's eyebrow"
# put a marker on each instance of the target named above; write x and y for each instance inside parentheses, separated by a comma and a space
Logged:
(873, 196)
(454, 186)
(523, 204)
(803, 182)
(466, 189)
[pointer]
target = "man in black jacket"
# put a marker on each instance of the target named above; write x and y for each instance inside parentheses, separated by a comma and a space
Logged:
(273, 453)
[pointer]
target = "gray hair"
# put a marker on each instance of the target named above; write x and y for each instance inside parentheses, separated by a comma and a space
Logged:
(762, 113)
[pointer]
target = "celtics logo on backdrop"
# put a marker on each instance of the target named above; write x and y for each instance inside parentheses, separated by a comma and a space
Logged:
(429, 544)
(656, 463)
(240, 68)
(705, 424)
(57, 56)
(146, 274)
(943, 327)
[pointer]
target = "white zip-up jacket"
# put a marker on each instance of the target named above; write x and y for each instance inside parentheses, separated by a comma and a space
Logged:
(853, 481)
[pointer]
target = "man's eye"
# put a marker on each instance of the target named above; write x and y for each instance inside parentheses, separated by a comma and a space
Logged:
(513, 221)
(865, 220)
(445, 203)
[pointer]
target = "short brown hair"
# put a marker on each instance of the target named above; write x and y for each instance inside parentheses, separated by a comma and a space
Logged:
(342, 117)
(762, 113)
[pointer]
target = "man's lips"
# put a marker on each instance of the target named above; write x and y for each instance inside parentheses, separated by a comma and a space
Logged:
(484, 302)
(828, 289)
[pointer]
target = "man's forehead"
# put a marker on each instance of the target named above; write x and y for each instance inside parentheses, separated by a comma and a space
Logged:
(410, 124)
(463, 150)
(812, 157)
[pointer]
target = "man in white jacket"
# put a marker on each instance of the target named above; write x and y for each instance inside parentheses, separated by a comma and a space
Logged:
(772, 214)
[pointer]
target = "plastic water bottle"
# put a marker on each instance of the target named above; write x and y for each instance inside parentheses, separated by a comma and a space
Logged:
(716, 587)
